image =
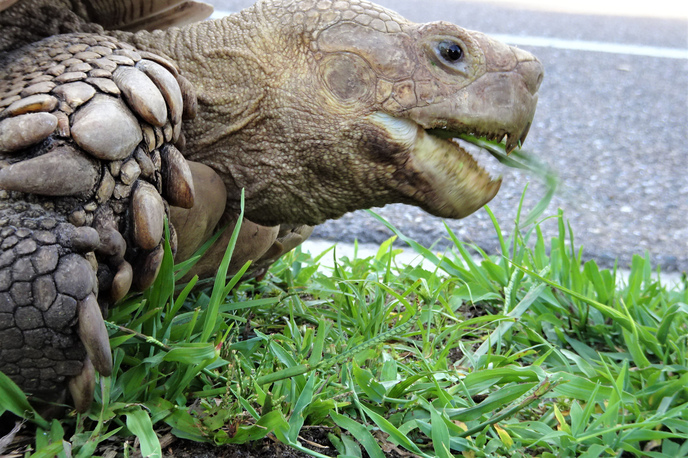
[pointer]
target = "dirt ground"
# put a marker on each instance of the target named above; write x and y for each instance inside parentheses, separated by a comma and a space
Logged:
(314, 438)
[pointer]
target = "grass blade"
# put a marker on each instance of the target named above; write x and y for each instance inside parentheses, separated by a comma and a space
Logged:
(14, 400)
(139, 423)
(360, 433)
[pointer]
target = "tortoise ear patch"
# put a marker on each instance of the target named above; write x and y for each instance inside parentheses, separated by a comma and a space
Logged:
(349, 78)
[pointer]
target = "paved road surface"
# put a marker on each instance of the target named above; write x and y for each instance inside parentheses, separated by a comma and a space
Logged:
(613, 124)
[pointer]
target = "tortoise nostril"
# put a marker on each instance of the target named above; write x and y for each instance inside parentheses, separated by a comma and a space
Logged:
(536, 73)
(540, 77)
(530, 68)
(532, 73)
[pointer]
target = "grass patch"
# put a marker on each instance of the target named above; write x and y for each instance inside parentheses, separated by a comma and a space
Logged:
(533, 353)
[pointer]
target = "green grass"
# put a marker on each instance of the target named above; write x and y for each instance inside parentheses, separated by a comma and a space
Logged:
(533, 353)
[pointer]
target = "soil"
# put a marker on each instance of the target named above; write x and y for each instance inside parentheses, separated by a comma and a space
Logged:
(265, 448)
(314, 438)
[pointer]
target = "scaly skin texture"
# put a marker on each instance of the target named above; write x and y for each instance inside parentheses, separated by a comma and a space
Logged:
(18, 25)
(38, 306)
(288, 95)
(314, 108)
(81, 211)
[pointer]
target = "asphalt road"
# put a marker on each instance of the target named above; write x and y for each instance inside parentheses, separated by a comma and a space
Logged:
(612, 124)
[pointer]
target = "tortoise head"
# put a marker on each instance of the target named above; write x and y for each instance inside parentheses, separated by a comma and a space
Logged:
(348, 105)
(427, 77)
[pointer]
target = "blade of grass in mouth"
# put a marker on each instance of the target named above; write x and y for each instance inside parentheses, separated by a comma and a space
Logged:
(518, 159)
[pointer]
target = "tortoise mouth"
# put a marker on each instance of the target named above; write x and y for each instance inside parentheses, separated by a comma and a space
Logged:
(450, 183)
(511, 141)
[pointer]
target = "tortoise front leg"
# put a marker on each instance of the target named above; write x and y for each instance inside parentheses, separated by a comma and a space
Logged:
(48, 282)
(262, 245)
(88, 167)
(196, 225)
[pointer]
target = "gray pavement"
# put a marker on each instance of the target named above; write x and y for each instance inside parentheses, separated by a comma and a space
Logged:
(613, 125)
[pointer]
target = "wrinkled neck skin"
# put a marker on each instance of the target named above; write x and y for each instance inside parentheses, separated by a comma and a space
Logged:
(262, 123)
(317, 109)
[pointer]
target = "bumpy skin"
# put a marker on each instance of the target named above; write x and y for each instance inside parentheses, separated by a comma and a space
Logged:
(86, 132)
(319, 108)
(38, 304)
(314, 108)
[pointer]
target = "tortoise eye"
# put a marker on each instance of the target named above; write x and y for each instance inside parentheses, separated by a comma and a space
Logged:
(451, 52)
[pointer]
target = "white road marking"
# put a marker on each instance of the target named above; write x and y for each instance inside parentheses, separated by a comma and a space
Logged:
(218, 14)
(578, 45)
(670, 9)
(409, 257)
(597, 46)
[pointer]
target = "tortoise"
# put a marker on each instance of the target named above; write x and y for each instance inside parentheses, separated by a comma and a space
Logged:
(313, 108)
